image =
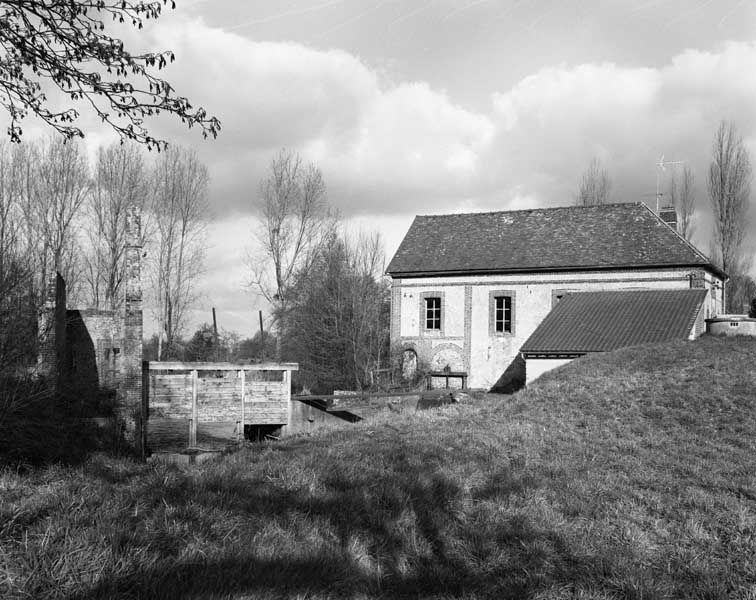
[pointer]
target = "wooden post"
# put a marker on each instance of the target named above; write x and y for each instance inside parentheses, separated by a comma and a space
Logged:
(286, 377)
(262, 338)
(243, 381)
(144, 412)
(215, 336)
(193, 422)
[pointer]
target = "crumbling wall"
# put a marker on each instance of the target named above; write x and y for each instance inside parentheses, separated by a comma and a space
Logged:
(130, 389)
(95, 356)
(51, 321)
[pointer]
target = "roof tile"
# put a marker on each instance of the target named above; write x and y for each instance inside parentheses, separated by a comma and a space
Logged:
(602, 321)
(572, 237)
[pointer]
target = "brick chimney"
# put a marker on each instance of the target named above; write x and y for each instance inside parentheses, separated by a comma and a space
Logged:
(668, 214)
(51, 325)
(130, 400)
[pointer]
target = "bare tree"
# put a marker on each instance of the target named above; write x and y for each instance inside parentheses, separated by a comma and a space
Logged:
(595, 185)
(370, 306)
(10, 211)
(741, 292)
(16, 309)
(120, 181)
(177, 251)
(294, 222)
(682, 196)
(53, 184)
(729, 189)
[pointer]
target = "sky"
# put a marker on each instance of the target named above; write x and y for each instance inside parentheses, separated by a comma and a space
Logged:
(438, 106)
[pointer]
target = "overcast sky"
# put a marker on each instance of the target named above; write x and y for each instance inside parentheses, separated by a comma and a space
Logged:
(433, 106)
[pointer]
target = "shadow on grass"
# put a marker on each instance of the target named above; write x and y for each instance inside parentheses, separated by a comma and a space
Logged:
(410, 531)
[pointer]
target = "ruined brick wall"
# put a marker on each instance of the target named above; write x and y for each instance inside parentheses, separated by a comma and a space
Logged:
(51, 321)
(92, 353)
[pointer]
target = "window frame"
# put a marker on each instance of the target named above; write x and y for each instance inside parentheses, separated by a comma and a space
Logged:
(493, 295)
(423, 324)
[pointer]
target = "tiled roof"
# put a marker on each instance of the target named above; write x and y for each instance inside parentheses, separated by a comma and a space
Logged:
(572, 237)
(601, 321)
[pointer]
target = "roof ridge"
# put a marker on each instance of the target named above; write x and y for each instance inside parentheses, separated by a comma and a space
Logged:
(543, 208)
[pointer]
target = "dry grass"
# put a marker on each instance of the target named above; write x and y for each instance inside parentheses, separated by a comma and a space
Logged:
(628, 475)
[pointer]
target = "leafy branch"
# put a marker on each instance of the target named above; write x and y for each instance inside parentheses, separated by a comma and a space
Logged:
(64, 41)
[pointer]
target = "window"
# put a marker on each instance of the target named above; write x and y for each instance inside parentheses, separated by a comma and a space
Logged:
(433, 313)
(503, 314)
(432, 305)
(501, 321)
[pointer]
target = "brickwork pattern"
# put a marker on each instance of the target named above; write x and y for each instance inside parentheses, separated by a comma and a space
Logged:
(130, 392)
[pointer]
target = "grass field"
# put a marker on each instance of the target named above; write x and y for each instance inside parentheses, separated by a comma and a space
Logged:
(628, 475)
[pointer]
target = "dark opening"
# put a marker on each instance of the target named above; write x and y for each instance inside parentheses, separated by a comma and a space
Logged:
(261, 433)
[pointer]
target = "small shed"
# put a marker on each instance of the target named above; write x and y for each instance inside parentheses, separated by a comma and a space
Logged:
(585, 322)
(208, 405)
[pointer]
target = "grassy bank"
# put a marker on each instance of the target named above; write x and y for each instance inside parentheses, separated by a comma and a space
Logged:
(630, 475)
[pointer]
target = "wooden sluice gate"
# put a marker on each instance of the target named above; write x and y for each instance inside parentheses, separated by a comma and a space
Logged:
(193, 408)
(208, 406)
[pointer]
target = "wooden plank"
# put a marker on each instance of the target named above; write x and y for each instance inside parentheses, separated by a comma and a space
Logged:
(287, 384)
(219, 366)
(269, 420)
(193, 426)
(250, 407)
(241, 400)
(217, 434)
(168, 434)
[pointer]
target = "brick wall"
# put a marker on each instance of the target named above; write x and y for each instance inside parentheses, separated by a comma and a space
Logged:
(91, 353)
(51, 322)
(130, 391)
(466, 312)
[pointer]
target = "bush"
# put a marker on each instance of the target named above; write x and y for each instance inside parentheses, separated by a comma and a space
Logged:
(37, 427)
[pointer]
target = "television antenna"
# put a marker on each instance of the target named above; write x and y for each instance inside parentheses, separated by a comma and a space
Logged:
(661, 166)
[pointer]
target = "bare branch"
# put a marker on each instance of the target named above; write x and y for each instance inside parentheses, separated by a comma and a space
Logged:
(176, 255)
(294, 224)
(66, 43)
(595, 185)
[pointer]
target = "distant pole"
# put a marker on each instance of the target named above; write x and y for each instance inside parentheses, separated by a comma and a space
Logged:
(262, 338)
(662, 164)
(215, 334)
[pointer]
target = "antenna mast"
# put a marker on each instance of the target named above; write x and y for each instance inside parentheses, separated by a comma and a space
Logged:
(661, 164)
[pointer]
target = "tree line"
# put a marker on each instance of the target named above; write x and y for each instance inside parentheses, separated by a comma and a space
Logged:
(728, 187)
(58, 213)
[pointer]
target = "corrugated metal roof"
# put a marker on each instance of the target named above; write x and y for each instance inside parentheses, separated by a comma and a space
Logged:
(601, 321)
(572, 237)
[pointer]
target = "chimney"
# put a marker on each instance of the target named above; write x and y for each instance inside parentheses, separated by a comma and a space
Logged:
(668, 214)
(130, 401)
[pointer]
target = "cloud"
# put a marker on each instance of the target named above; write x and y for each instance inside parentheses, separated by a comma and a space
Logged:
(552, 122)
(390, 150)
(393, 149)
(387, 147)
(377, 142)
